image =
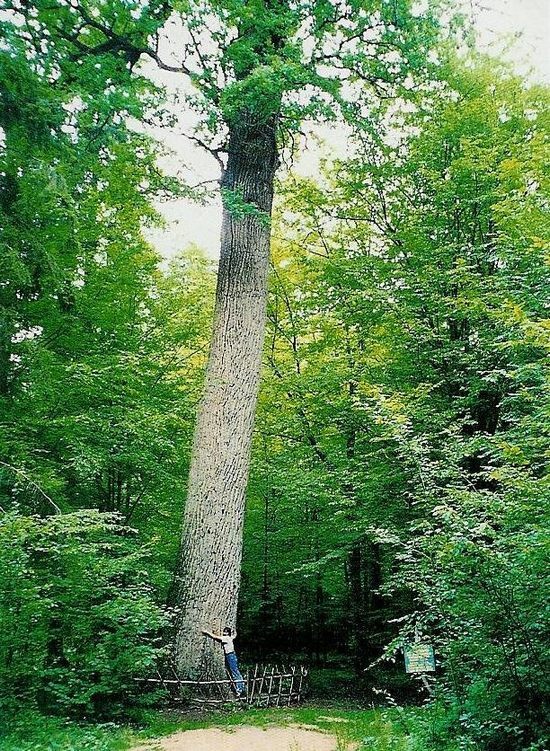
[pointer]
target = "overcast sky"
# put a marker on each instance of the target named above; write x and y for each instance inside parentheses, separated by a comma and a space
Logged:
(528, 21)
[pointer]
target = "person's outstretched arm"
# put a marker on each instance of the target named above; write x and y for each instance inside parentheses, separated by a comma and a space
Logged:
(216, 637)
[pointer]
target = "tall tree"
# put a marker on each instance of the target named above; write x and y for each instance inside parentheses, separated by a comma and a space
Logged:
(264, 64)
(259, 68)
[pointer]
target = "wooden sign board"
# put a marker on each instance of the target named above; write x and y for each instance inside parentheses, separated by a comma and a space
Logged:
(419, 658)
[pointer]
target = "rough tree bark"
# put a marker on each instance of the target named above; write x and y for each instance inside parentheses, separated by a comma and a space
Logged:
(209, 568)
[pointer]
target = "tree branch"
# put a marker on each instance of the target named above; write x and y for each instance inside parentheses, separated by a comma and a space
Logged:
(33, 483)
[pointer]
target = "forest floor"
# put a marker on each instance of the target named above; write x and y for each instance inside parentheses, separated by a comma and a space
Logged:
(305, 728)
(247, 738)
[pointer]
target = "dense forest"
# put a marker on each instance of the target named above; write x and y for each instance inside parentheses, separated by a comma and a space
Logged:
(398, 486)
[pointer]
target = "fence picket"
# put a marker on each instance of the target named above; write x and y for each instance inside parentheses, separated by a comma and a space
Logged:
(250, 695)
(291, 686)
(262, 682)
(269, 690)
(281, 679)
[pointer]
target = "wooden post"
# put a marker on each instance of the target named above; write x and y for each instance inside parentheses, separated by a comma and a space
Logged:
(300, 684)
(291, 685)
(262, 683)
(281, 679)
(176, 678)
(220, 684)
(270, 687)
(251, 690)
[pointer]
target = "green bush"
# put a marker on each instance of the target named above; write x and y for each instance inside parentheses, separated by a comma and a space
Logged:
(79, 622)
(478, 569)
(30, 731)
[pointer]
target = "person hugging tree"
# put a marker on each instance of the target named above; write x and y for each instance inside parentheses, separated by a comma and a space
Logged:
(226, 640)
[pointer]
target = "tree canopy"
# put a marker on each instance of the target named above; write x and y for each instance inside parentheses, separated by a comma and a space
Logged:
(399, 456)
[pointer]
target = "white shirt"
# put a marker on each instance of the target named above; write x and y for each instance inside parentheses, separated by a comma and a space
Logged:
(227, 642)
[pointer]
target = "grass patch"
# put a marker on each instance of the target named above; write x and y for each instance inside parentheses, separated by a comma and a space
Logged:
(375, 730)
(32, 732)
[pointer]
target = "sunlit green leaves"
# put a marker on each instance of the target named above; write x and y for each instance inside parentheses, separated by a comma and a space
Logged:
(78, 616)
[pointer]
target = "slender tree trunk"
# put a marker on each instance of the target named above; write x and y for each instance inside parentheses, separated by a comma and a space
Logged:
(265, 583)
(5, 353)
(357, 605)
(209, 569)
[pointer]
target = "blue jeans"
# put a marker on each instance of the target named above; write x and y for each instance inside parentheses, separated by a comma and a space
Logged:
(233, 666)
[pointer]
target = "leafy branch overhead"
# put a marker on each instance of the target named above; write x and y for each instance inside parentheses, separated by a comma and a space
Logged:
(323, 59)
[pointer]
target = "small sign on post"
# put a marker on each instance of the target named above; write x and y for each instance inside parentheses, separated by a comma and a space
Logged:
(419, 658)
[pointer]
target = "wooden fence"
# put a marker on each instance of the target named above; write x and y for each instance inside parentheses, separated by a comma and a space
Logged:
(265, 686)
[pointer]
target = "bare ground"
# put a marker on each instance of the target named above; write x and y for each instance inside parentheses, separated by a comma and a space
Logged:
(245, 738)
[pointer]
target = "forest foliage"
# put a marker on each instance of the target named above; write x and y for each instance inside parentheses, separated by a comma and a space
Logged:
(399, 482)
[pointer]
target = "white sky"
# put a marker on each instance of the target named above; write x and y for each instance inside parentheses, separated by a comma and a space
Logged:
(526, 22)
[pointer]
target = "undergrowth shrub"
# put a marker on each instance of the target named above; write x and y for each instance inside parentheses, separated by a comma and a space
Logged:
(478, 570)
(79, 620)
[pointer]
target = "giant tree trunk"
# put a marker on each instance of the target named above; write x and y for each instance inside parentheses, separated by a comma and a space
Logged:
(209, 569)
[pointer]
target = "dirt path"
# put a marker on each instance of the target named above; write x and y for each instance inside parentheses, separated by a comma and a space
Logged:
(245, 738)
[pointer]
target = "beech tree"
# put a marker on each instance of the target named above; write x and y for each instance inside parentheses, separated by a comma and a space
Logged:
(258, 69)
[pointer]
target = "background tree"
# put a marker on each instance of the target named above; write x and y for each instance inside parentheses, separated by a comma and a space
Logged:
(415, 249)
(102, 356)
